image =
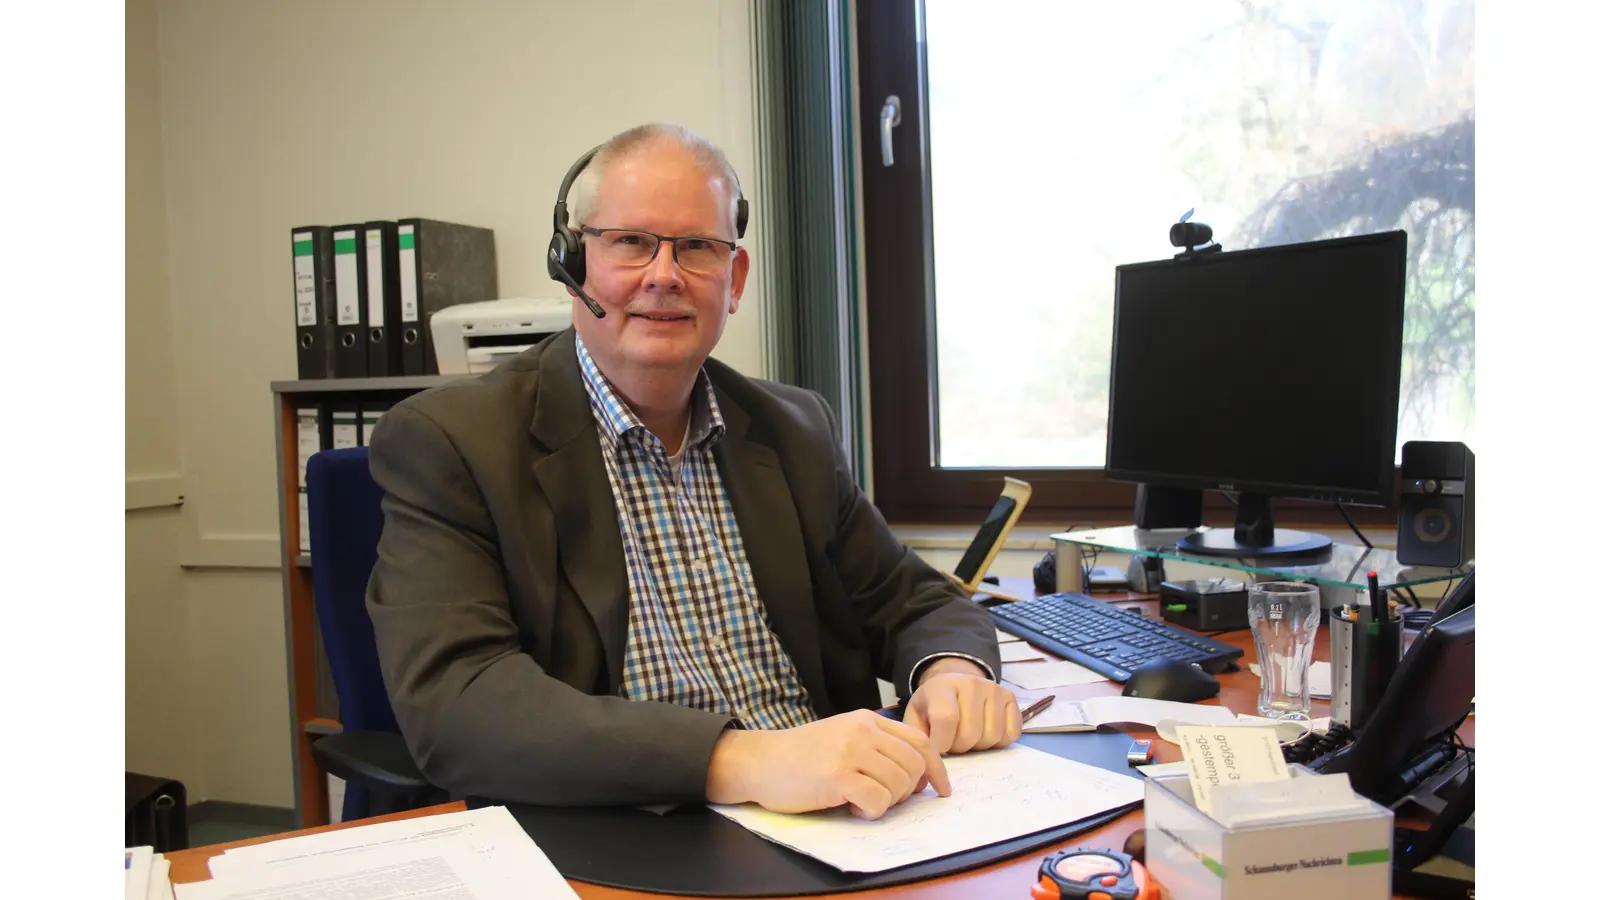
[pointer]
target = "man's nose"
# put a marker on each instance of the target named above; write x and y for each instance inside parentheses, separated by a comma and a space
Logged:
(663, 273)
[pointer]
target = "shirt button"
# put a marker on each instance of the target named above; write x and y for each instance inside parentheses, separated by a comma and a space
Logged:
(716, 641)
(699, 565)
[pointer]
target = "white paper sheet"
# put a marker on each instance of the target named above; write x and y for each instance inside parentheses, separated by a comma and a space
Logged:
(490, 834)
(485, 830)
(1089, 714)
(136, 871)
(445, 869)
(1005, 638)
(996, 795)
(1035, 676)
(1019, 651)
(1319, 679)
(160, 879)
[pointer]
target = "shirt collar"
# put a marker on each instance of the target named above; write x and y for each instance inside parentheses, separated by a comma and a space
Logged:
(617, 420)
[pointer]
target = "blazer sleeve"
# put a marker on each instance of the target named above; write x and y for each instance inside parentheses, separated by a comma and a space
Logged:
(911, 611)
(480, 716)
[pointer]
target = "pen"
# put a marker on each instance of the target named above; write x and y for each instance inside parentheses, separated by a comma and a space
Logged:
(1375, 596)
(1038, 707)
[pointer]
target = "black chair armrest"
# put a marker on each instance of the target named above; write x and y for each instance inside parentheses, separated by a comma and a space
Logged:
(376, 760)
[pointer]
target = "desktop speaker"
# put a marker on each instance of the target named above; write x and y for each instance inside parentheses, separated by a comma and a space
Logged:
(1435, 504)
(1166, 507)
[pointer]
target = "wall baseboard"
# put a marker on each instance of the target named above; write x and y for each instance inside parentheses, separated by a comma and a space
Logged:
(152, 491)
(246, 813)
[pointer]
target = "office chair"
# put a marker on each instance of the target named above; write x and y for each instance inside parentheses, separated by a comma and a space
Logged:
(369, 753)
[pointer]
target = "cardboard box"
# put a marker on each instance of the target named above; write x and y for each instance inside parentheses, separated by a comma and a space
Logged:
(1341, 856)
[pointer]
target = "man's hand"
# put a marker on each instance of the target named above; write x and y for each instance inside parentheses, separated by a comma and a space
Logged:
(960, 709)
(858, 758)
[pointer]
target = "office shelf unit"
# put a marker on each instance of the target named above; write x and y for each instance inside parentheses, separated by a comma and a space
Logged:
(313, 707)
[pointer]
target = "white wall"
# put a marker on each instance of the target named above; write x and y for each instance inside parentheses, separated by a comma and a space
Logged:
(286, 113)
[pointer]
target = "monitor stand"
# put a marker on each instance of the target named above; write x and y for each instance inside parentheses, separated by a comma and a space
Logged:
(1253, 535)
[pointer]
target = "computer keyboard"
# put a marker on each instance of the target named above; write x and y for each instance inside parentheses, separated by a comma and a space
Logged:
(1105, 639)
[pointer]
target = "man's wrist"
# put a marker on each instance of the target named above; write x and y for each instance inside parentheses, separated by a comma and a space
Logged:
(729, 775)
(948, 664)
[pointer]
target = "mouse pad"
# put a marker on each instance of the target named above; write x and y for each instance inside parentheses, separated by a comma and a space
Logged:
(695, 852)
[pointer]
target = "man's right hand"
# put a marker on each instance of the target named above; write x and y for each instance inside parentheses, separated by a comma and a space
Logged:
(857, 758)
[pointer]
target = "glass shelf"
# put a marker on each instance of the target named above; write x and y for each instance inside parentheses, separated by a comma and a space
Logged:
(1342, 565)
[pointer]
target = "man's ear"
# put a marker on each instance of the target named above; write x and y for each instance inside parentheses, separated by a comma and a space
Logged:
(741, 272)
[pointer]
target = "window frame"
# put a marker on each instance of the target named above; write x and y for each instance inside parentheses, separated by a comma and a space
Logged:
(900, 311)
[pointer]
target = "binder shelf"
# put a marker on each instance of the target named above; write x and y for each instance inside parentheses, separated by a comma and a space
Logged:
(304, 422)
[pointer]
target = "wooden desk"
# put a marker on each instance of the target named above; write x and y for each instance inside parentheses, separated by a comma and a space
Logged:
(1009, 879)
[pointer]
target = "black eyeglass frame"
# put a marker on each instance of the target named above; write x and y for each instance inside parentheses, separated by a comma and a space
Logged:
(662, 239)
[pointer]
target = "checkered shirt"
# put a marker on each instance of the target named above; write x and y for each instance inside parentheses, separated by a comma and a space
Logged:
(698, 635)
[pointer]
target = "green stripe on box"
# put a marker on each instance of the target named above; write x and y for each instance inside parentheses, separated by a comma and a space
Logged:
(1368, 857)
(348, 245)
(408, 242)
(303, 247)
(1215, 867)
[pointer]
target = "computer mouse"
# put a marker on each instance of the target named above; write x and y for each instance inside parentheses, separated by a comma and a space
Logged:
(1165, 679)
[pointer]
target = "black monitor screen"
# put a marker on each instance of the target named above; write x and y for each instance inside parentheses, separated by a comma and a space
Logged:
(1273, 371)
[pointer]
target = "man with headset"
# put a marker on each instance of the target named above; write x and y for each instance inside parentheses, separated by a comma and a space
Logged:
(615, 571)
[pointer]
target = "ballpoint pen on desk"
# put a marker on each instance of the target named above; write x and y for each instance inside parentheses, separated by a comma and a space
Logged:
(1037, 707)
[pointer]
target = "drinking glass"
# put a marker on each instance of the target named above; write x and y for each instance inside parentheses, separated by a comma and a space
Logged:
(1284, 617)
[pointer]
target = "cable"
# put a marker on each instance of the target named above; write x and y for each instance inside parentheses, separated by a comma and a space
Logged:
(1352, 523)
(1415, 603)
(1087, 555)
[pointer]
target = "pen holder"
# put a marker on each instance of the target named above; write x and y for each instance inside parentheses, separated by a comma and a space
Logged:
(1366, 654)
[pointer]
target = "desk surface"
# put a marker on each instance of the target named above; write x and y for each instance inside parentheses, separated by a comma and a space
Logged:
(1011, 878)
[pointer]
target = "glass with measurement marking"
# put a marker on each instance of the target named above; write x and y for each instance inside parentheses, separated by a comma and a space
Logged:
(1284, 617)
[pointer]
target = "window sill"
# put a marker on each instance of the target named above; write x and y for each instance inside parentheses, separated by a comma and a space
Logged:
(1036, 537)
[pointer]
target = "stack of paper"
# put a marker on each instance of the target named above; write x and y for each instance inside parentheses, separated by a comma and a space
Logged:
(482, 854)
(145, 874)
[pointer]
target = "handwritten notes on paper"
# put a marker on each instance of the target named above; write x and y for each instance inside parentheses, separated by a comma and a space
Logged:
(996, 795)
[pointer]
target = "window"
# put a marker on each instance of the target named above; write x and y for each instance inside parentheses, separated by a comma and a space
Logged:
(1041, 144)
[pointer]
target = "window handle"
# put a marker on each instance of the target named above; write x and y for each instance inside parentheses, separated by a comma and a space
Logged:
(888, 118)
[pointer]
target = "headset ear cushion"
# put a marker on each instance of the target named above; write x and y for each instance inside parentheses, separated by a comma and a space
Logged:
(743, 217)
(566, 254)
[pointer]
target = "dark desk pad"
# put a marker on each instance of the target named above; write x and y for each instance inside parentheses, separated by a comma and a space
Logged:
(696, 852)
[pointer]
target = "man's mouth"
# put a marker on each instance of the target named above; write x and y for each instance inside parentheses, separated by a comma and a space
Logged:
(661, 316)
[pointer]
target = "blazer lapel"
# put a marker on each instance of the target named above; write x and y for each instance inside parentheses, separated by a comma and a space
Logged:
(770, 529)
(573, 477)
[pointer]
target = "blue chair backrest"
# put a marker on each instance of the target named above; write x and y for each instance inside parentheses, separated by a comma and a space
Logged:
(346, 521)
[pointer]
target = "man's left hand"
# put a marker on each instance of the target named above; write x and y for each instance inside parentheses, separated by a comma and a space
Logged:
(960, 709)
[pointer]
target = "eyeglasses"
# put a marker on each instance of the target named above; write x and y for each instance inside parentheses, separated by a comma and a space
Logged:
(700, 255)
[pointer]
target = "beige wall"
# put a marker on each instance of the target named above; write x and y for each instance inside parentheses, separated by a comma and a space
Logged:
(161, 726)
(247, 119)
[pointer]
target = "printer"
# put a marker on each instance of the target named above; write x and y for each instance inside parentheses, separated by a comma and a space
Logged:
(470, 338)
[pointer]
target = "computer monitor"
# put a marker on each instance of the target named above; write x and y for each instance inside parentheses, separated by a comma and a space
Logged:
(1272, 372)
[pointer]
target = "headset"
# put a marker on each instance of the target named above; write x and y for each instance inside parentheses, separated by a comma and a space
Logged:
(565, 260)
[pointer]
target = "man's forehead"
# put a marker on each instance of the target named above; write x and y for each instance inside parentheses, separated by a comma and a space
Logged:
(663, 188)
